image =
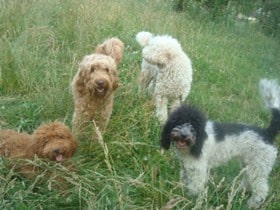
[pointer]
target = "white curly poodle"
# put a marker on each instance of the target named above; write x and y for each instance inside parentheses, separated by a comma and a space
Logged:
(166, 71)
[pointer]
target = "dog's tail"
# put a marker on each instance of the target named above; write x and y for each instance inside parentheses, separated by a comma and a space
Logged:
(270, 92)
(143, 38)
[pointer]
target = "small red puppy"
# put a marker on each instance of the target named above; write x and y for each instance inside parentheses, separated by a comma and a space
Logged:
(53, 141)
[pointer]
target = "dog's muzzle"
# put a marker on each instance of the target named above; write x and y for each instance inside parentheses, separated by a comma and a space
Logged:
(101, 87)
(57, 156)
(183, 135)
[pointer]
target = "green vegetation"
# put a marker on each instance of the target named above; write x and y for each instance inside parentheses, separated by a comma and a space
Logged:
(267, 13)
(42, 42)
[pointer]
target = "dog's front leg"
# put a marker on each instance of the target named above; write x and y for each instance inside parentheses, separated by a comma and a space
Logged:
(196, 179)
(176, 103)
(161, 108)
(183, 178)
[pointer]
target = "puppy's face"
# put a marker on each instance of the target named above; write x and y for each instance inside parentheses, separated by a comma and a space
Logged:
(54, 141)
(100, 82)
(58, 149)
(183, 136)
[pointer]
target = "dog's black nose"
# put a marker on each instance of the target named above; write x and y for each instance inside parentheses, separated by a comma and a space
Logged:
(184, 132)
(100, 83)
(56, 151)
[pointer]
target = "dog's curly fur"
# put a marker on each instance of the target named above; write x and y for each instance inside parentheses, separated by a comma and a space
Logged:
(53, 141)
(201, 145)
(166, 71)
(93, 87)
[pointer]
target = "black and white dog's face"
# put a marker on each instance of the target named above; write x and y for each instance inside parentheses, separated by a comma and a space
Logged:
(183, 136)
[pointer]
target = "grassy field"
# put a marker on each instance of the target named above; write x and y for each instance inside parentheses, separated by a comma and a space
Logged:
(41, 44)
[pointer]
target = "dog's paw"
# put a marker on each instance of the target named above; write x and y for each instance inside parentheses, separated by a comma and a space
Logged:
(195, 189)
(255, 202)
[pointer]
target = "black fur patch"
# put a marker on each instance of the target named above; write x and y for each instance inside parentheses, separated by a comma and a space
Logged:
(228, 129)
(274, 128)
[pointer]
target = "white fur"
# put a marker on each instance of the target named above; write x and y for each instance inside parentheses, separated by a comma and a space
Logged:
(166, 71)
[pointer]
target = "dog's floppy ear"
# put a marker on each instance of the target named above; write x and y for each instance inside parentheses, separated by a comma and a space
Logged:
(164, 58)
(79, 80)
(115, 79)
(165, 141)
(157, 56)
(83, 72)
(116, 84)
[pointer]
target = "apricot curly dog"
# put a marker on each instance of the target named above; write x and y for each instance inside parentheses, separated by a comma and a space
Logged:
(53, 141)
(93, 88)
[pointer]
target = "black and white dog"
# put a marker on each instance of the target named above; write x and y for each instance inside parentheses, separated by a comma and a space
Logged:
(201, 144)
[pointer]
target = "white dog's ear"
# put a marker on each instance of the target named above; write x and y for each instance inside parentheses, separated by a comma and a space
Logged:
(157, 57)
(164, 58)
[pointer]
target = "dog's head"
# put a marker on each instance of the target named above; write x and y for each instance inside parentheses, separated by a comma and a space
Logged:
(97, 76)
(185, 128)
(161, 50)
(112, 47)
(54, 141)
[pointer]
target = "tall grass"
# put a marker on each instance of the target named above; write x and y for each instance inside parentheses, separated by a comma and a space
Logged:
(42, 42)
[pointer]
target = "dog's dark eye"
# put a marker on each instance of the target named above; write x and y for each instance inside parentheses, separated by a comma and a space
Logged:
(107, 69)
(92, 69)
